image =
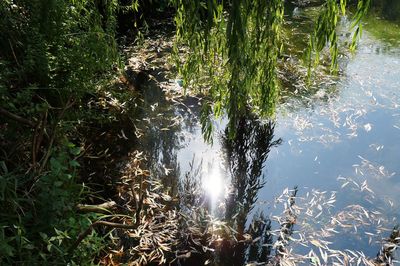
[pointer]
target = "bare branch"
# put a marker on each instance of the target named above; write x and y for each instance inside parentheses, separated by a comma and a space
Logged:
(17, 118)
(100, 208)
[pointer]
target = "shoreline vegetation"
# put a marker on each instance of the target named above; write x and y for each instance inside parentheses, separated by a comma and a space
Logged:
(76, 182)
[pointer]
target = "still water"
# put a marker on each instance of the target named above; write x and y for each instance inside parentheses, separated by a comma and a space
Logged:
(337, 144)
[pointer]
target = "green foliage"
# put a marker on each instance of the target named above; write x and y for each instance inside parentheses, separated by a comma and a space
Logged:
(54, 57)
(233, 52)
(325, 30)
(233, 49)
(38, 222)
(53, 54)
(59, 47)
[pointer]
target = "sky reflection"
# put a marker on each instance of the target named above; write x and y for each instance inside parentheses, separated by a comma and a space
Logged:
(349, 136)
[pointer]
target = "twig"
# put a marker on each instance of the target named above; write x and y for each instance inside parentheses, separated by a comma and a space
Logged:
(138, 199)
(34, 140)
(13, 52)
(53, 136)
(37, 138)
(17, 118)
(83, 152)
(48, 153)
(100, 208)
(42, 131)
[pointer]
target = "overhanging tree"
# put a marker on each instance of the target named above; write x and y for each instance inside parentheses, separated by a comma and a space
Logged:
(233, 49)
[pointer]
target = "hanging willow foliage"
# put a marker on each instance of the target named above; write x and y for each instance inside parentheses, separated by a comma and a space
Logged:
(325, 30)
(233, 50)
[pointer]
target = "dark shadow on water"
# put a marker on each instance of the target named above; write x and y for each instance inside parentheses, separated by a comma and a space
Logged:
(387, 254)
(388, 9)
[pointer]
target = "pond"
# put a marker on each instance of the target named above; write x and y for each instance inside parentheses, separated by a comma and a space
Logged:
(321, 180)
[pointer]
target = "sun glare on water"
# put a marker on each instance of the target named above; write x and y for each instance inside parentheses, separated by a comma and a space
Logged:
(213, 184)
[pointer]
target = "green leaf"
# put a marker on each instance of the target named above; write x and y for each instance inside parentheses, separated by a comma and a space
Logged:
(43, 235)
(4, 167)
(74, 163)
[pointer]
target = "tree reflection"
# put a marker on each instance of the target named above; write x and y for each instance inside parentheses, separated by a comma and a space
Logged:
(262, 240)
(160, 131)
(245, 156)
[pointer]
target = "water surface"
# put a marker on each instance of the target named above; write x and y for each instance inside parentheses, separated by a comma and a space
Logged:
(337, 143)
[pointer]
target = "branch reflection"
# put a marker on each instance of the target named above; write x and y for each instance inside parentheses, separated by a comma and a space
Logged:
(243, 160)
